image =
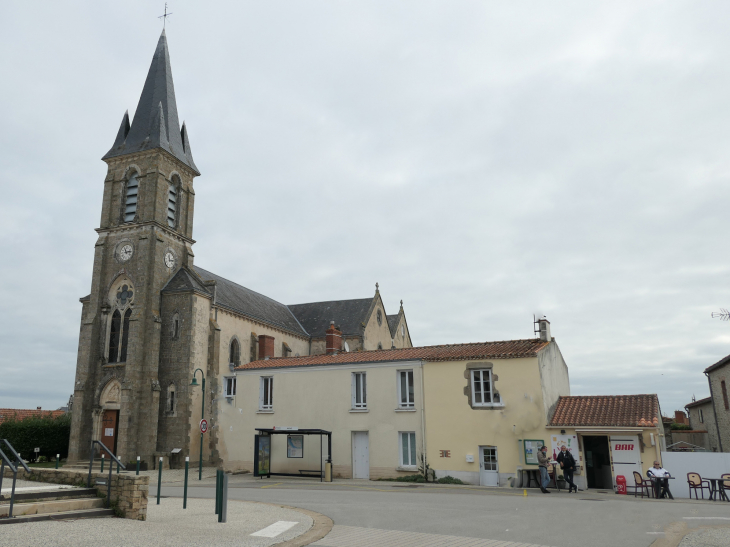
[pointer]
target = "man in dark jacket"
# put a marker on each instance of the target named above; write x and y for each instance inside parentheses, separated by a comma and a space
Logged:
(567, 463)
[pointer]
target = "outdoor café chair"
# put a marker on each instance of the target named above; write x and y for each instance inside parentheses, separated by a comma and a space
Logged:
(695, 481)
(641, 484)
(725, 483)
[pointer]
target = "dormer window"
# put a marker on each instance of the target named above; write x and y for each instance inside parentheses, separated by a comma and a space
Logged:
(130, 199)
(172, 206)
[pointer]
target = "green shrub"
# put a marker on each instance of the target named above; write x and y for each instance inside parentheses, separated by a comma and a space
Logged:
(680, 427)
(49, 434)
(448, 479)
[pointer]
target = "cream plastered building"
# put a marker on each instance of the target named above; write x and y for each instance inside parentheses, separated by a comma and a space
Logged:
(418, 401)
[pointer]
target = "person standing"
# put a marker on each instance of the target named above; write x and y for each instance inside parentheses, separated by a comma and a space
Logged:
(543, 461)
(567, 464)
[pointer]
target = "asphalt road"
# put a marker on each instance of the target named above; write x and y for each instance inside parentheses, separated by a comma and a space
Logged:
(556, 519)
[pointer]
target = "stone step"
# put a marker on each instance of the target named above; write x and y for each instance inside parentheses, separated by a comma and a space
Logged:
(47, 495)
(61, 515)
(51, 506)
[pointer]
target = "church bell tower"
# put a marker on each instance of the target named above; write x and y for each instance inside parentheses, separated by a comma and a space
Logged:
(145, 236)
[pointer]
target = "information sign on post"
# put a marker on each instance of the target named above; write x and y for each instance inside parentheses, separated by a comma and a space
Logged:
(203, 426)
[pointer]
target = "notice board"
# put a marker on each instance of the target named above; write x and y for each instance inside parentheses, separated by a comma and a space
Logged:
(532, 447)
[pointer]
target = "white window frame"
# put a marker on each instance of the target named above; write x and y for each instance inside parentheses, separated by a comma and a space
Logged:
(412, 455)
(407, 405)
(266, 391)
(490, 393)
(229, 386)
(359, 397)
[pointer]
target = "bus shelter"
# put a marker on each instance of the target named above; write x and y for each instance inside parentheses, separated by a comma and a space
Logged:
(263, 447)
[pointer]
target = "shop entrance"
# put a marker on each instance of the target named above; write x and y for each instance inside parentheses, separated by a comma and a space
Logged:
(598, 462)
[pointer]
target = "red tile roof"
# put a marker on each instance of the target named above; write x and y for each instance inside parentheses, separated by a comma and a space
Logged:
(7, 414)
(508, 349)
(607, 411)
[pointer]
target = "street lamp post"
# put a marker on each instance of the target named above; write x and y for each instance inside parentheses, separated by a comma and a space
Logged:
(202, 416)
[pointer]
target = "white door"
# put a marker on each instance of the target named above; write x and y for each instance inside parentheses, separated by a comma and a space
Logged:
(488, 468)
(360, 455)
(626, 456)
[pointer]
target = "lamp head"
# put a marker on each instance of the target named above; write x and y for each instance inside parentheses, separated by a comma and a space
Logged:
(194, 383)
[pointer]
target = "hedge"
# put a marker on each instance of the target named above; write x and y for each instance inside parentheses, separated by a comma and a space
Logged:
(49, 434)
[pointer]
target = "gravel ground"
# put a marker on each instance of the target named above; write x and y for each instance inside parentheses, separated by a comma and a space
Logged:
(712, 537)
(167, 525)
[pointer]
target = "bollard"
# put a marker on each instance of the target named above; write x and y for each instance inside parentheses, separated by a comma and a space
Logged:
(185, 490)
(102, 463)
(58, 457)
(217, 491)
(223, 510)
(159, 480)
(524, 492)
(137, 465)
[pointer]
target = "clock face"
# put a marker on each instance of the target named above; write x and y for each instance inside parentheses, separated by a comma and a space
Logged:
(169, 259)
(125, 253)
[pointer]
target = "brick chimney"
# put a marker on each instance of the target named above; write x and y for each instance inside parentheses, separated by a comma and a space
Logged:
(680, 417)
(266, 346)
(333, 339)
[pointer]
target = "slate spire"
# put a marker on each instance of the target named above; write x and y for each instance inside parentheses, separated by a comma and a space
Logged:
(155, 123)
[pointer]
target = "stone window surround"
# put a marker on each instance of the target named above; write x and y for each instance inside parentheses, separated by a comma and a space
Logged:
(468, 391)
(128, 173)
(109, 310)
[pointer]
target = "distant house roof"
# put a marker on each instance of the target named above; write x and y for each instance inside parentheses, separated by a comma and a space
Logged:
(721, 362)
(508, 349)
(705, 401)
(250, 303)
(7, 414)
(348, 315)
(607, 411)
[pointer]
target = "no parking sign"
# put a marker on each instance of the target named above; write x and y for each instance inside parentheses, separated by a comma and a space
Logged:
(203, 426)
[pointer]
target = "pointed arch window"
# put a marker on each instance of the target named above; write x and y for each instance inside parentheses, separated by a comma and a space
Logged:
(120, 325)
(234, 353)
(114, 336)
(172, 206)
(125, 335)
(130, 198)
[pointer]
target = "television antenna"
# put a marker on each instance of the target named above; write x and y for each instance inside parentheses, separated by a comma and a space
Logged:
(722, 315)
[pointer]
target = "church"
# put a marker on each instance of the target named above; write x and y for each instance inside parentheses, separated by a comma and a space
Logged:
(154, 320)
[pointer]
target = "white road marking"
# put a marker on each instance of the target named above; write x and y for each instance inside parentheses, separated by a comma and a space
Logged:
(279, 527)
(706, 518)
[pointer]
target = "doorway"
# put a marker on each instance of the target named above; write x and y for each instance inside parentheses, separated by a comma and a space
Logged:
(109, 428)
(360, 455)
(488, 466)
(598, 462)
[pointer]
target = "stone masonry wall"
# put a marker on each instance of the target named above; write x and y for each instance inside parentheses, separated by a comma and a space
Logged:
(722, 414)
(130, 492)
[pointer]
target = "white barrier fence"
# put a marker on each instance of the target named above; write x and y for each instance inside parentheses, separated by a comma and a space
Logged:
(707, 464)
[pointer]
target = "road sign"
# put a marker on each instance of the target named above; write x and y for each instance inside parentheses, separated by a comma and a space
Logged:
(36, 450)
(203, 426)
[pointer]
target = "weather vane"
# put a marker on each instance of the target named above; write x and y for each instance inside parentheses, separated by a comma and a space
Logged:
(165, 16)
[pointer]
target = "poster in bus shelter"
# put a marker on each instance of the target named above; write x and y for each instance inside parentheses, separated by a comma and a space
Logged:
(532, 447)
(262, 456)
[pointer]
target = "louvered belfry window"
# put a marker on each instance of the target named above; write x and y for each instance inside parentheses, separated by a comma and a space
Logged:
(171, 206)
(130, 203)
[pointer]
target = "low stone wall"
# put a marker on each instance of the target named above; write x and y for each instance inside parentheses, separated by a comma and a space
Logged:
(129, 492)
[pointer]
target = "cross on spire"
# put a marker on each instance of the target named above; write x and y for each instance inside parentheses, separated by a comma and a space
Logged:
(165, 16)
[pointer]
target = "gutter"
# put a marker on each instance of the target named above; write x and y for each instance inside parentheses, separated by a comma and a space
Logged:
(714, 411)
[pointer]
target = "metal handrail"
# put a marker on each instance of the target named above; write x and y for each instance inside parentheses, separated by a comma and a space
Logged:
(109, 481)
(17, 456)
(14, 469)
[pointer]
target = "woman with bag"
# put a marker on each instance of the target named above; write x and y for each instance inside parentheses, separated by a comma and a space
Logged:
(567, 464)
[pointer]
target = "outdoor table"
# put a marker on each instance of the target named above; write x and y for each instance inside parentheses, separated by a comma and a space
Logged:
(717, 488)
(664, 487)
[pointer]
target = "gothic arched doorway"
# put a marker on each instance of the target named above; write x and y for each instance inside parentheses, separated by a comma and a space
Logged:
(110, 403)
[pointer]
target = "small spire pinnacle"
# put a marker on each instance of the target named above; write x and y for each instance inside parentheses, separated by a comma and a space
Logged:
(377, 287)
(401, 304)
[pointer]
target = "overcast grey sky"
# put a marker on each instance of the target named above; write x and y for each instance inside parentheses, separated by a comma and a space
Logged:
(480, 160)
